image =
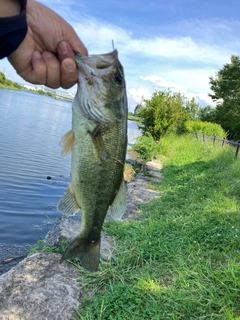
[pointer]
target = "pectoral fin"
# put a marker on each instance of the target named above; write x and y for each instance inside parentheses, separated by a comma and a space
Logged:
(67, 143)
(68, 204)
(118, 206)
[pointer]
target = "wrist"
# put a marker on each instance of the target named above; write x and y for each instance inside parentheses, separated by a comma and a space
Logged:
(9, 8)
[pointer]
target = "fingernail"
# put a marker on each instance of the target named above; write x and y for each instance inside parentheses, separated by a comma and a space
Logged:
(37, 54)
(63, 47)
(48, 54)
(70, 65)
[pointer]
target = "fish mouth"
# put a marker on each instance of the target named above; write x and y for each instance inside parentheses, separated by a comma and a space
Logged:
(92, 100)
(83, 67)
(87, 64)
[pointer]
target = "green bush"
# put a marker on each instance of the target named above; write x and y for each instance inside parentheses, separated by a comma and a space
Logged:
(146, 147)
(208, 128)
(162, 113)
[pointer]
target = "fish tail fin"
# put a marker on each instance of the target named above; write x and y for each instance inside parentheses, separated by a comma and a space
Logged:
(87, 253)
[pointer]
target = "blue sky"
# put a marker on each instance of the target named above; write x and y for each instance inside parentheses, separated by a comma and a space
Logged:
(174, 44)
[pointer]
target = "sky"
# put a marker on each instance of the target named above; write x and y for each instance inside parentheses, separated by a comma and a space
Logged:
(162, 44)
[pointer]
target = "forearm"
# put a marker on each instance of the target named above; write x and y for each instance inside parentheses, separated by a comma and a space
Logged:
(13, 25)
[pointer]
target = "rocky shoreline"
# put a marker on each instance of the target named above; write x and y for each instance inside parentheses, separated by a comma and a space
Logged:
(39, 287)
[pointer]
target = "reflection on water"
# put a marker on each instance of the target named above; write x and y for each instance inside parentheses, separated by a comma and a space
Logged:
(133, 133)
(31, 127)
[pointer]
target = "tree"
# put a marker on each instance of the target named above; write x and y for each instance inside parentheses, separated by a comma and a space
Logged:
(8, 83)
(16, 85)
(146, 148)
(207, 114)
(226, 93)
(2, 78)
(162, 113)
(192, 108)
(137, 109)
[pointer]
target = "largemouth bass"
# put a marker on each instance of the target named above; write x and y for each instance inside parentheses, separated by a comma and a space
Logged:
(98, 142)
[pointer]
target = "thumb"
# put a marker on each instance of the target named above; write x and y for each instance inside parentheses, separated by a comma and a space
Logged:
(65, 51)
(73, 40)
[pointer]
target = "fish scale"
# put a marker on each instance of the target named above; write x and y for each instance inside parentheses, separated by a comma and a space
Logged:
(98, 142)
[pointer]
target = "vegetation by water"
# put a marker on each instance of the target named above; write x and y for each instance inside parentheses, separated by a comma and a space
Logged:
(181, 260)
(132, 117)
(10, 85)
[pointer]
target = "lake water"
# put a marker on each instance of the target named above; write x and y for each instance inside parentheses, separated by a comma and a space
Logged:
(31, 127)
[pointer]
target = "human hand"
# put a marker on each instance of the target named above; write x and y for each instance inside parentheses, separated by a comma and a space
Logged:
(46, 54)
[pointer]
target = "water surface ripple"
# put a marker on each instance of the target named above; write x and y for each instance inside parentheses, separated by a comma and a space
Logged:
(31, 127)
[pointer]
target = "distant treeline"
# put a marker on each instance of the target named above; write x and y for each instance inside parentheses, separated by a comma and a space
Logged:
(8, 84)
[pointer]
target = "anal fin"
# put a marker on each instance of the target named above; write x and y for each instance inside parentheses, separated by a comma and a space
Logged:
(118, 206)
(68, 204)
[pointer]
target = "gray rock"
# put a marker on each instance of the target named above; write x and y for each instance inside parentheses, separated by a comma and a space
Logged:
(138, 192)
(64, 229)
(39, 288)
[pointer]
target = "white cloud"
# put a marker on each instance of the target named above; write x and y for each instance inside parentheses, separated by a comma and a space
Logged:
(181, 62)
(180, 48)
(164, 84)
(98, 36)
(194, 79)
(136, 96)
(201, 98)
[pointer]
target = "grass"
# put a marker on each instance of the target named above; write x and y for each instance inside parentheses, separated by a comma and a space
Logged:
(182, 259)
(42, 247)
(129, 172)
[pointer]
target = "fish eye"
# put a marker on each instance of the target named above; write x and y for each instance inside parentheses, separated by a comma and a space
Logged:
(118, 78)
